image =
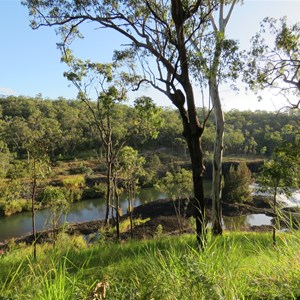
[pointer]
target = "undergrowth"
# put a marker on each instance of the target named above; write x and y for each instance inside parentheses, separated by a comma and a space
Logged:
(233, 266)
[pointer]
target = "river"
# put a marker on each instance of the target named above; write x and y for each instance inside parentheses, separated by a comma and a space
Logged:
(94, 209)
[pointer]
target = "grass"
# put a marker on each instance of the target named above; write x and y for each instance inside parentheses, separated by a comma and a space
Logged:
(234, 266)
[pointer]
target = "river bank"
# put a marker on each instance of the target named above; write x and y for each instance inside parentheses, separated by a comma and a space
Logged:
(172, 217)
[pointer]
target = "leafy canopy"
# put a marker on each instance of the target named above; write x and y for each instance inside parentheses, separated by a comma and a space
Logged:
(276, 64)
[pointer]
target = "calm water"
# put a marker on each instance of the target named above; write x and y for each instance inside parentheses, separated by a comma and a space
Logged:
(246, 221)
(87, 210)
(94, 209)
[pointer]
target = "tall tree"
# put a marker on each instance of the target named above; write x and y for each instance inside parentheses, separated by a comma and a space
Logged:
(274, 63)
(110, 89)
(159, 32)
(84, 75)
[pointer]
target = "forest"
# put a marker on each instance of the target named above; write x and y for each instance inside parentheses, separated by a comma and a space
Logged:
(218, 171)
(65, 131)
(68, 130)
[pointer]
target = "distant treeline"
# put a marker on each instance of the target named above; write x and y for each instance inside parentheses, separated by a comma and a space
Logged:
(67, 128)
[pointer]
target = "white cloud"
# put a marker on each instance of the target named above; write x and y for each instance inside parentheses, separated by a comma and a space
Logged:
(7, 91)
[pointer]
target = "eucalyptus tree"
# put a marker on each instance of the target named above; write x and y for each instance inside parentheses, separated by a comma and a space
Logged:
(109, 91)
(159, 34)
(5, 158)
(274, 62)
(218, 60)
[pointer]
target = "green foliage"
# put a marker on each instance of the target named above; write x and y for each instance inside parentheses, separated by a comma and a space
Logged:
(93, 192)
(125, 223)
(159, 230)
(130, 162)
(74, 181)
(153, 169)
(14, 206)
(148, 117)
(274, 62)
(176, 184)
(54, 196)
(13, 196)
(64, 241)
(281, 173)
(68, 129)
(5, 158)
(17, 169)
(58, 202)
(81, 169)
(236, 185)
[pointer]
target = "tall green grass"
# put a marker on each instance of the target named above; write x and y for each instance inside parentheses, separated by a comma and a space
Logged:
(234, 266)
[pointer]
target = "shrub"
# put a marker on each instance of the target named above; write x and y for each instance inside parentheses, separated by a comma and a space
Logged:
(56, 199)
(81, 169)
(74, 181)
(237, 184)
(73, 194)
(92, 193)
(15, 206)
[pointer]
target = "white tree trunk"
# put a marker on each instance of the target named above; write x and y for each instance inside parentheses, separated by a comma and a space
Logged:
(217, 158)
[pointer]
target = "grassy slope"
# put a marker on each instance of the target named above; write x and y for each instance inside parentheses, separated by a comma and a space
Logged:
(235, 266)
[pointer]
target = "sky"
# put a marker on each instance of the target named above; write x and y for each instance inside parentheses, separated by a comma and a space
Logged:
(30, 61)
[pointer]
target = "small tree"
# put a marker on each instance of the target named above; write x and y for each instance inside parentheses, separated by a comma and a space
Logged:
(236, 187)
(38, 164)
(178, 184)
(279, 175)
(131, 166)
(58, 202)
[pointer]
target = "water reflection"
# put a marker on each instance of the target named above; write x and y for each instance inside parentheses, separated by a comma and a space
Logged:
(240, 222)
(87, 210)
(94, 209)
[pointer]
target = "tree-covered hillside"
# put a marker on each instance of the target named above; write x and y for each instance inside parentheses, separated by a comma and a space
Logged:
(67, 128)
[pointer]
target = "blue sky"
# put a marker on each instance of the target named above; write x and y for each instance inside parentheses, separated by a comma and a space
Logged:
(30, 62)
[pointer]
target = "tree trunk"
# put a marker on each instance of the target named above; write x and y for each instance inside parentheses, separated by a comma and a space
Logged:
(192, 130)
(108, 190)
(130, 206)
(217, 159)
(117, 207)
(192, 133)
(33, 195)
(275, 213)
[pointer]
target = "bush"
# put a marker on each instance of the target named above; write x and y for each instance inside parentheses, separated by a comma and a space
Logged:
(74, 181)
(92, 193)
(15, 206)
(17, 169)
(82, 169)
(237, 184)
